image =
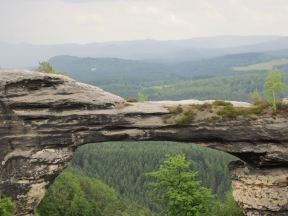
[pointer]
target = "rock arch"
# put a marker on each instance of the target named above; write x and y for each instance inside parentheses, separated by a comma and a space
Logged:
(44, 118)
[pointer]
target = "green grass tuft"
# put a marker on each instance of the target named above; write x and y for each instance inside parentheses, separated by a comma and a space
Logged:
(221, 111)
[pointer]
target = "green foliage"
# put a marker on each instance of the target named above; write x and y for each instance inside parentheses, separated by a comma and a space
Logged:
(73, 191)
(228, 207)
(219, 111)
(203, 107)
(222, 103)
(206, 79)
(176, 189)
(142, 97)
(233, 87)
(273, 86)
(6, 207)
(45, 67)
(36, 213)
(106, 71)
(132, 100)
(73, 194)
(122, 165)
(178, 110)
(263, 65)
(187, 117)
(228, 112)
(252, 113)
(120, 74)
(257, 96)
(180, 116)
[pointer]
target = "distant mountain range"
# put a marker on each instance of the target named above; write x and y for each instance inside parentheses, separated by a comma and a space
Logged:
(173, 51)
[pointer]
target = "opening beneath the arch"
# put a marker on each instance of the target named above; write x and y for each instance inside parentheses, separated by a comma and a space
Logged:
(112, 174)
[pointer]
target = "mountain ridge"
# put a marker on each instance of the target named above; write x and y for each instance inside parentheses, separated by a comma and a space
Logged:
(27, 55)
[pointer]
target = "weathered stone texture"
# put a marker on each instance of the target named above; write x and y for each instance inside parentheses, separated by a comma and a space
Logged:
(264, 190)
(44, 118)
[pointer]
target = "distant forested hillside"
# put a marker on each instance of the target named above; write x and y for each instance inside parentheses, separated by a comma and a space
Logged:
(101, 71)
(217, 78)
(223, 65)
(233, 87)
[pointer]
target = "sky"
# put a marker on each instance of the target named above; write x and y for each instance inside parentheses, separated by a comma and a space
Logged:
(86, 21)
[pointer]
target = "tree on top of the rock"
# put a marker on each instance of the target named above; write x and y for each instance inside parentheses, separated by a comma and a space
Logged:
(46, 67)
(274, 85)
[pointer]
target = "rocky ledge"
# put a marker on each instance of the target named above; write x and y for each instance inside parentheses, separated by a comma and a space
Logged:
(44, 118)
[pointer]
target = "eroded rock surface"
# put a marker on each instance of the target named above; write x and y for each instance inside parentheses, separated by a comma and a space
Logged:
(260, 191)
(44, 118)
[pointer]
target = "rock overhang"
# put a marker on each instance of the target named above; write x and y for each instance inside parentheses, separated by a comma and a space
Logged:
(43, 118)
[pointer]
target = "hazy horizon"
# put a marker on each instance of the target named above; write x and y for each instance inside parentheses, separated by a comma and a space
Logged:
(147, 39)
(80, 22)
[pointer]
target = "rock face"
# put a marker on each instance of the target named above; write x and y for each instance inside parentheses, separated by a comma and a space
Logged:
(260, 191)
(44, 118)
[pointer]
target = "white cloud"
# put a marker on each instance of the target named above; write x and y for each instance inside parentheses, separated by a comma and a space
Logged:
(87, 19)
(152, 10)
(59, 21)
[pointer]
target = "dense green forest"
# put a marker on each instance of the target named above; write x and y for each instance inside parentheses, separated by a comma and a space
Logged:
(175, 188)
(74, 194)
(122, 165)
(214, 78)
(101, 71)
(108, 179)
(6, 206)
(237, 87)
(234, 87)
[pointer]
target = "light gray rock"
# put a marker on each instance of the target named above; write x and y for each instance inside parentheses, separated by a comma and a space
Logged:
(260, 191)
(44, 118)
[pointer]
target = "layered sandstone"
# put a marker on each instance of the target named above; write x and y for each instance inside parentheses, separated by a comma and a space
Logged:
(44, 118)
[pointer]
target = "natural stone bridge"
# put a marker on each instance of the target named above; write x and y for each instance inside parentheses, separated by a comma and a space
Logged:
(44, 118)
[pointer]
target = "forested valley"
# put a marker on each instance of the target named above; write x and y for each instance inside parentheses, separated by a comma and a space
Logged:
(230, 77)
(109, 179)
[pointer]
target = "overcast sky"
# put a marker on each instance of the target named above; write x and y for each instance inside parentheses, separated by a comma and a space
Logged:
(84, 21)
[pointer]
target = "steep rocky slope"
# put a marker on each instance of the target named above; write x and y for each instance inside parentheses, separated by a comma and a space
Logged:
(44, 118)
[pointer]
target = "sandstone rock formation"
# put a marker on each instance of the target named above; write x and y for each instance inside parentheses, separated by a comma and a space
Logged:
(44, 118)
